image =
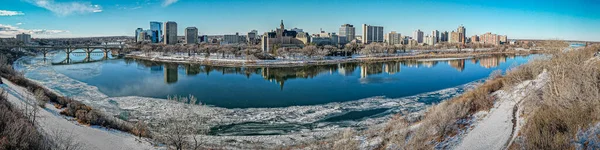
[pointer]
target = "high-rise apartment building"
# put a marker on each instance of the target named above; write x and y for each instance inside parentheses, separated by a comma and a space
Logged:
(418, 36)
(462, 31)
(372, 34)
(429, 40)
(25, 38)
(191, 35)
(170, 36)
(394, 38)
(474, 39)
(137, 35)
(455, 37)
(489, 38)
(156, 29)
(347, 31)
(436, 35)
(444, 36)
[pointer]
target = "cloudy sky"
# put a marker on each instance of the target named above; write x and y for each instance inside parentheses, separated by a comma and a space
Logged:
(531, 19)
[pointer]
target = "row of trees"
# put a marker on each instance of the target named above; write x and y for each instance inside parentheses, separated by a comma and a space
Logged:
(223, 51)
(308, 51)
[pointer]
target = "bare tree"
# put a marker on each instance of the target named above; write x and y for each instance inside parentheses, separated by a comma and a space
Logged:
(64, 140)
(310, 50)
(180, 129)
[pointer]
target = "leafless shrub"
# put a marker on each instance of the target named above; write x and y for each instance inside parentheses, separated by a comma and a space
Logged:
(41, 98)
(180, 131)
(17, 130)
(64, 140)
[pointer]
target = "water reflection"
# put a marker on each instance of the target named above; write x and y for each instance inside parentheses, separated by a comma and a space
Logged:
(280, 75)
(244, 87)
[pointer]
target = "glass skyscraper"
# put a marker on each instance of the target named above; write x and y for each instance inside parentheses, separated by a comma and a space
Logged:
(156, 29)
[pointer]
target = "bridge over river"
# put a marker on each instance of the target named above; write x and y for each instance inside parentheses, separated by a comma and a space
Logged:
(76, 50)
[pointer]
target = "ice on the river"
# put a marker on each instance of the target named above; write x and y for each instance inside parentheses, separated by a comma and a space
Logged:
(302, 119)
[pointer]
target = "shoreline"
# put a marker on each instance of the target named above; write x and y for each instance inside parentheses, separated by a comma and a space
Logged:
(300, 63)
(143, 107)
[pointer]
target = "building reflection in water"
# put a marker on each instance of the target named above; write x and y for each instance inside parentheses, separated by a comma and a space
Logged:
(171, 74)
(457, 64)
(279, 75)
(491, 62)
(192, 69)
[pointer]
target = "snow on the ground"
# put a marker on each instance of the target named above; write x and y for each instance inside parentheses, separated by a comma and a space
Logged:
(58, 125)
(495, 130)
(305, 119)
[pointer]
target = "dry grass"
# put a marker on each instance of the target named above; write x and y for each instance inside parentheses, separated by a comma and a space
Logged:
(568, 103)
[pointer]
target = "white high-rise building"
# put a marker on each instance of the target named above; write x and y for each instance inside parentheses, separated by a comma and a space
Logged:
(372, 34)
(430, 40)
(347, 33)
(191, 35)
(170, 31)
(418, 36)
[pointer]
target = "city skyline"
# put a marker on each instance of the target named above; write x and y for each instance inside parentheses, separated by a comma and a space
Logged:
(568, 20)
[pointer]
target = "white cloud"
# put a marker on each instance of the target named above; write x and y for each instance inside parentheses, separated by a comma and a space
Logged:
(11, 31)
(10, 13)
(18, 24)
(67, 8)
(168, 2)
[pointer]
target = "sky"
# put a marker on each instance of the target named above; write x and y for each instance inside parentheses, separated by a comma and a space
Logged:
(518, 19)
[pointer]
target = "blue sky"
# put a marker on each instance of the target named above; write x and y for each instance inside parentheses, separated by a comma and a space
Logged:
(532, 19)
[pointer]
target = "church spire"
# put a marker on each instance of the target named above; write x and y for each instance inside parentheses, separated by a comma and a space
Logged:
(281, 25)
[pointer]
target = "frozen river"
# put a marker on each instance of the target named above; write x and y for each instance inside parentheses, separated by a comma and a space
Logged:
(279, 99)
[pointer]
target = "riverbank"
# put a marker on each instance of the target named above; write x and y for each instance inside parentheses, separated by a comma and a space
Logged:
(68, 131)
(201, 60)
(549, 103)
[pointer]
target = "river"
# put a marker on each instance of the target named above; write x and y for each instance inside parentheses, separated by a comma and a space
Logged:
(356, 91)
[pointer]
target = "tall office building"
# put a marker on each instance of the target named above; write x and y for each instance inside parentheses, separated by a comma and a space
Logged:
(137, 34)
(418, 36)
(462, 31)
(170, 36)
(372, 34)
(436, 35)
(25, 38)
(394, 38)
(191, 35)
(347, 31)
(141, 36)
(156, 29)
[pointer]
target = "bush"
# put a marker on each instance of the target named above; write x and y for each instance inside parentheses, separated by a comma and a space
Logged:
(16, 132)
(569, 102)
